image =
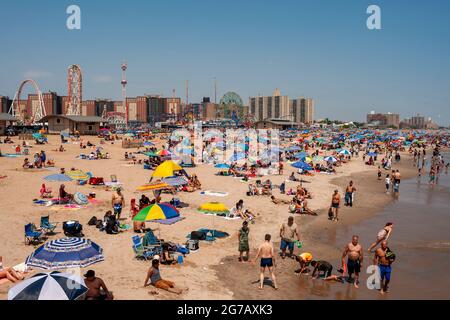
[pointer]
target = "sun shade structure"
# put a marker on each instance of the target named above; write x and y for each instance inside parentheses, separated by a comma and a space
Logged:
(157, 211)
(66, 253)
(175, 181)
(214, 208)
(166, 169)
(301, 165)
(49, 286)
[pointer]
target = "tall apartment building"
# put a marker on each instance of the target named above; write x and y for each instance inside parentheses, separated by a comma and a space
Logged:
(275, 106)
(5, 104)
(384, 119)
(302, 110)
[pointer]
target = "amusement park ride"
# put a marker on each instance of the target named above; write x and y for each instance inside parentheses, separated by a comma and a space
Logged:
(75, 98)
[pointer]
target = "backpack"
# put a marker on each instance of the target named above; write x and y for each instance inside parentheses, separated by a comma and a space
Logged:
(93, 221)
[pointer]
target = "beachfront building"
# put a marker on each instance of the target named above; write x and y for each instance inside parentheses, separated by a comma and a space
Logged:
(6, 120)
(5, 104)
(275, 106)
(85, 125)
(383, 119)
(279, 124)
(303, 110)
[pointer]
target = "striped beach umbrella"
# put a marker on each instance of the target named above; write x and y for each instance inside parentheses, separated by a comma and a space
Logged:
(49, 286)
(78, 175)
(330, 159)
(157, 211)
(66, 253)
(345, 152)
(159, 185)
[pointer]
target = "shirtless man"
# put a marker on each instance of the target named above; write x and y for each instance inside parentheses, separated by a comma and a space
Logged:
(382, 235)
(349, 194)
(118, 202)
(335, 202)
(267, 255)
(354, 253)
(279, 201)
(384, 261)
(95, 284)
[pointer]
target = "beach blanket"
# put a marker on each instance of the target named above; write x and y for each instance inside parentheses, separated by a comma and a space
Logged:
(67, 207)
(11, 155)
(214, 193)
(112, 184)
(169, 221)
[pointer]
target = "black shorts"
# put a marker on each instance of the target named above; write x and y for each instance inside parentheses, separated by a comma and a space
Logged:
(266, 262)
(353, 266)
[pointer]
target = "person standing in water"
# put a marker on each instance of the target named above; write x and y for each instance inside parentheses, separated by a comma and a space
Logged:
(384, 259)
(267, 255)
(354, 253)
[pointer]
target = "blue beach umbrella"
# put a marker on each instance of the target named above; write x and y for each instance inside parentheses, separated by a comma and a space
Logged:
(330, 159)
(345, 152)
(372, 154)
(301, 165)
(66, 253)
(300, 155)
(222, 166)
(49, 286)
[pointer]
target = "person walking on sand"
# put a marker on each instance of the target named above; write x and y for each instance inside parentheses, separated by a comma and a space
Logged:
(384, 258)
(349, 194)
(383, 235)
(354, 253)
(335, 202)
(243, 242)
(267, 255)
(118, 202)
(288, 234)
(388, 183)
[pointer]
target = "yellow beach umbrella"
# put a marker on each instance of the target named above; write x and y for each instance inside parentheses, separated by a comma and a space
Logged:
(213, 207)
(166, 169)
(78, 175)
(308, 159)
(153, 186)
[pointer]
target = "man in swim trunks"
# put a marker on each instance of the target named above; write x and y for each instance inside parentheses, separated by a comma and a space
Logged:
(349, 194)
(384, 261)
(118, 202)
(382, 235)
(97, 288)
(353, 252)
(335, 202)
(288, 234)
(267, 255)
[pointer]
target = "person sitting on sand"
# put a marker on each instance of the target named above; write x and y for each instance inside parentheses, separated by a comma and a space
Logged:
(46, 193)
(64, 196)
(61, 148)
(154, 275)
(245, 214)
(26, 164)
(279, 201)
(97, 288)
(9, 273)
(292, 177)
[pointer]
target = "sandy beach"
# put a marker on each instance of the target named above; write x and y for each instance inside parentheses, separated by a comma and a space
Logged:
(213, 272)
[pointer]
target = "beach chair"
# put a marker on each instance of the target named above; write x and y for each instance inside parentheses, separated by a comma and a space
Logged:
(113, 178)
(31, 234)
(46, 226)
(144, 252)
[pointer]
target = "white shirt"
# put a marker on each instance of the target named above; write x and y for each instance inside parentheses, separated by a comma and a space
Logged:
(388, 180)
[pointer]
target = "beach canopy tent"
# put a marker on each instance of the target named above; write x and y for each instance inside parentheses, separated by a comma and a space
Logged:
(301, 165)
(213, 208)
(166, 169)
(49, 286)
(157, 211)
(58, 177)
(66, 253)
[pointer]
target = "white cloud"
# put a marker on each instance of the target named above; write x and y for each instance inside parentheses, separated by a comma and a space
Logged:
(37, 74)
(103, 79)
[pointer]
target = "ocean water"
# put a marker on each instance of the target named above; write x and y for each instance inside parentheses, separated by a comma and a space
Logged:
(420, 240)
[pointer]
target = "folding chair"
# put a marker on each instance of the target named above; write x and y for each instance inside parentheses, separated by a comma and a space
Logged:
(144, 252)
(31, 234)
(46, 226)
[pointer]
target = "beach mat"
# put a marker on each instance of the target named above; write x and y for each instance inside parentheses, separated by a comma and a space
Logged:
(213, 193)
(169, 221)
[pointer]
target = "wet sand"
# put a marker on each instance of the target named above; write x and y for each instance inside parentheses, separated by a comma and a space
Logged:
(324, 239)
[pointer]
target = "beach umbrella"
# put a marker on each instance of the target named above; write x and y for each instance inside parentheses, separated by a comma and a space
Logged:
(148, 144)
(37, 136)
(166, 169)
(175, 181)
(237, 156)
(78, 175)
(150, 154)
(222, 166)
(158, 185)
(49, 286)
(318, 158)
(213, 208)
(307, 159)
(66, 253)
(80, 198)
(163, 153)
(345, 152)
(330, 159)
(300, 155)
(372, 154)
(301, 165)
(157, 211)
(58, 177)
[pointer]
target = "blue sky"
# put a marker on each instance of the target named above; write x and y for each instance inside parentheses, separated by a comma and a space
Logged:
(318, 48)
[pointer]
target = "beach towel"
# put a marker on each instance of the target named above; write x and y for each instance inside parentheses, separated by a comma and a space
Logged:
(214, 193)
(169, 221)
